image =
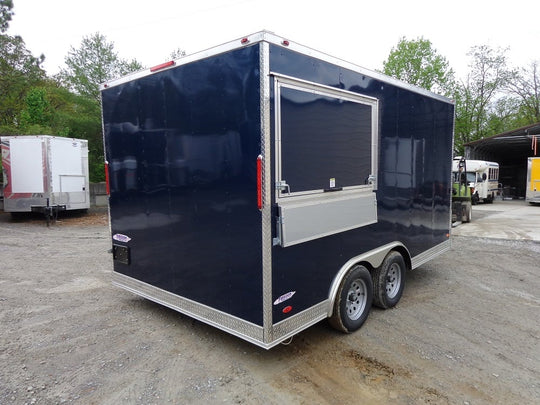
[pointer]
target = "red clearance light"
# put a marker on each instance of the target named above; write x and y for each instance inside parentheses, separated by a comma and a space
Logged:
(162, 66)
(107, 183)
(244, 41)
(285, 42)
(287, 309)
(259, 182)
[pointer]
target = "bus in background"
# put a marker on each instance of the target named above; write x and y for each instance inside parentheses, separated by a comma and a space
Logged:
(482, 177)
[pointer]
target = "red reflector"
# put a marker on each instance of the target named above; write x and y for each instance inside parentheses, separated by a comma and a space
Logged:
(285, 42)
(162, 66)
(259, 182)
(244, 41)
(107, 186)
(287, 309)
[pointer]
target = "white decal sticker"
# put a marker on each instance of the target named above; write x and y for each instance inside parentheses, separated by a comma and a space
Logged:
(284, 297)
(121, 238)
(332, 182)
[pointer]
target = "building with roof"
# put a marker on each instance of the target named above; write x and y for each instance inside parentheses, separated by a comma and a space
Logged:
(510, 149)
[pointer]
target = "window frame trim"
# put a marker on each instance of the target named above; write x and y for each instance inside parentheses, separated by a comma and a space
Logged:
(283, 81)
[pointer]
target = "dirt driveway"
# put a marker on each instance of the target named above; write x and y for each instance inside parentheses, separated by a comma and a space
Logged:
(465, 332)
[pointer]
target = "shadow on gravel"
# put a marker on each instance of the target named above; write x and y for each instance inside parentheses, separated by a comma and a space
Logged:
(94, 215)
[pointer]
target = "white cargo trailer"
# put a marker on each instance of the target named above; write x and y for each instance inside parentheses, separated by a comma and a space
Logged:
(44, 173)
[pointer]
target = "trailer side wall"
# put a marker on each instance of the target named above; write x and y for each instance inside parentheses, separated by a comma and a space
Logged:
(413, 195)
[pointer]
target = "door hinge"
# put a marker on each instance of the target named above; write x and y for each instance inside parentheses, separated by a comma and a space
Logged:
(277, 240)
(283, 186)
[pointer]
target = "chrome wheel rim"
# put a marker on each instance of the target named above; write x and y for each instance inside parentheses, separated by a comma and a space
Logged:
(356, 299)
(393, 280)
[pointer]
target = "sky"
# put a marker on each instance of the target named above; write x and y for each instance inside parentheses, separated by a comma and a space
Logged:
(361, 32)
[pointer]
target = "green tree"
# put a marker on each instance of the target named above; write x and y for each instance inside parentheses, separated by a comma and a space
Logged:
(19, 71)
(525, 84)
(418, 63)
(485, 82)
(6, 11)
(37, 110)
(504, 114)
(93, 63)
(52, 109)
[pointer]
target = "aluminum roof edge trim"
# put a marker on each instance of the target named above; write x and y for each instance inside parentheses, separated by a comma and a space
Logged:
(215, 50)
(278, 40)
(282, 41)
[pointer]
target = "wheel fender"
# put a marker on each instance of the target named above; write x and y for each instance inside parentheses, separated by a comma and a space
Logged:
(374, 258)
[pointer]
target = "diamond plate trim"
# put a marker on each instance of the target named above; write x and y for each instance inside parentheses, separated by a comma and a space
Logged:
(229, 323)
(429, 254)
(266, 216)
(301, 321)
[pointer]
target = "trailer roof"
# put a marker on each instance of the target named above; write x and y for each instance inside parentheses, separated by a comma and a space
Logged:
(270, 37)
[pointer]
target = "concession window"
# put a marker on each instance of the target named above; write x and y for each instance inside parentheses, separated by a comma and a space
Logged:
(326, 160)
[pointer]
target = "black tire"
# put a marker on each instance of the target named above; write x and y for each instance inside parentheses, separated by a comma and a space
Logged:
(389, 281)
(353, 300)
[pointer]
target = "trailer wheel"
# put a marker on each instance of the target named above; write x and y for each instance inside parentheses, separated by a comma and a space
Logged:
(389, 281)
(353, 300)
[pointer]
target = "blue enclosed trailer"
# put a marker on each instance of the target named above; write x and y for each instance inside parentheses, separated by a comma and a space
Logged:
(261, 186)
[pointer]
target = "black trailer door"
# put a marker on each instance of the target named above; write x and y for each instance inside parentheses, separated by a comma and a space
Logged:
(326, 160)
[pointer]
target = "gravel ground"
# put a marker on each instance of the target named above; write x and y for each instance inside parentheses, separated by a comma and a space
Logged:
(465, 332)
